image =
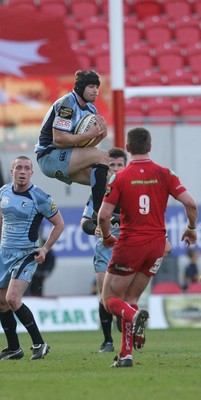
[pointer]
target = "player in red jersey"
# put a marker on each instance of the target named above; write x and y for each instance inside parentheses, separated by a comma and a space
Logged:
(142, 190)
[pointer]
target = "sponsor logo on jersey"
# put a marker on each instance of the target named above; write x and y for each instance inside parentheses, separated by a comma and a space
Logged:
(53, 206)
(144, 182)
(121, 267)
(66, 112)
(62, 155)
(4, 201)
(24, 204)
(108, 191)
(59, 174)
(112, 178)
(62, 123)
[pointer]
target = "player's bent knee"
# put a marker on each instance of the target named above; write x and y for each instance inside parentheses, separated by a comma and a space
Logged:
(3, 306)
(103, 157)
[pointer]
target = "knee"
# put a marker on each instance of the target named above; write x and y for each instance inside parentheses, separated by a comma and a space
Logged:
(106, 303)
(3, 305)
(12, 301)
(104, 157)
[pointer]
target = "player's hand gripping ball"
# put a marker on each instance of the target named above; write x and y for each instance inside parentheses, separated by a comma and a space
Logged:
(83, 127)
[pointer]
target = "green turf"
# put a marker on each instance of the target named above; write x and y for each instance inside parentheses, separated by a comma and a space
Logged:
(169, 367)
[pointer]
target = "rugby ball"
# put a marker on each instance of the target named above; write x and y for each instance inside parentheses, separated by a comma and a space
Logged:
(83, 126)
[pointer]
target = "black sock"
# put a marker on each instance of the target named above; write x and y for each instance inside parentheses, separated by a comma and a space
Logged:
(106, 323)
(26, 317)
(98, 184)
(9, 326)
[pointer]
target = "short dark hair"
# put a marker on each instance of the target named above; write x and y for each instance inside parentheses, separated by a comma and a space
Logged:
(117, 152)
(139, 141)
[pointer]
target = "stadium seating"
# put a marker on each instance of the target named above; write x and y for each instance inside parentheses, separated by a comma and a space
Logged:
(24, 5)
(162, 109)
(58, 9)
(189, 108)
(104, 6)
(197, 7)
(193, 55)
(149, 77)
(146, 8)
(169, 57)
(83, 55)
(101, 57)
(194, 287)
(135, 110)
(166, 288)
(181, 77)
(95, 32)
(17, 2)
(175, 9)
(73, 31)
(162, 42)
(80, 9)
(132, 31)
(138, 58)
(187, 30)
(157, 30)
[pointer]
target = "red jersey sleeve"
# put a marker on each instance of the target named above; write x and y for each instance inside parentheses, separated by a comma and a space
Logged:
(176, 187)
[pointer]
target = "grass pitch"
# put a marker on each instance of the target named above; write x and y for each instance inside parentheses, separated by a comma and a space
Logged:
(169, 367)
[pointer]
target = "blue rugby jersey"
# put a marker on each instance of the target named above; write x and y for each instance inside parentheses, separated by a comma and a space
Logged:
(64, 115)
(22, 214)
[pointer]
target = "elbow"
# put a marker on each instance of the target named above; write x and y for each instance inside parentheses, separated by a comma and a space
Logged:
(101, 219)
(62, 227)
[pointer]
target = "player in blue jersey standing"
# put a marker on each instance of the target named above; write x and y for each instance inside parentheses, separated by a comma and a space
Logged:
(58, 153)
(102, 255)
(22, 208)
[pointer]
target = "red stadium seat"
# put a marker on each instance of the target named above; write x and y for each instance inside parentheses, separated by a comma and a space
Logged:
(83, 55)
(166, 288)
(194, 287)
(187, 30)
(102, 59)
(193, 55)
(73, 30)
(18, 3)
(80, 9)
(149, 77)
(135, 111)
(157, 30)
(161, 109)
(138, 58)
(25, 5)
(132, 31)
(175, 9)
(57, 8)
(95, 32)
(146, 8)
(190, 109)
(169, 57)
(181, 77)
(197, 7)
